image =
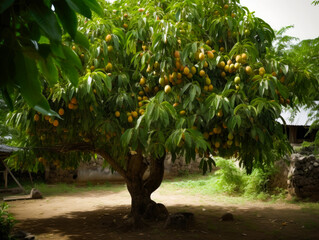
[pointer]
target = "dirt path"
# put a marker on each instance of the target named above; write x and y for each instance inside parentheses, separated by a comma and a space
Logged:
(97, 215)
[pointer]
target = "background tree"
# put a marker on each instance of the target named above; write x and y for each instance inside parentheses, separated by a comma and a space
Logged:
(305, 55)
(189, 78)
(303, 58)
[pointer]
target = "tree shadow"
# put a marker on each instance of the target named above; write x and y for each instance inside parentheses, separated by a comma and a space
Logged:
(250, 223)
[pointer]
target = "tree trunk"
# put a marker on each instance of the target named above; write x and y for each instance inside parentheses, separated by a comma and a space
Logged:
(142, 207)
(140, 189)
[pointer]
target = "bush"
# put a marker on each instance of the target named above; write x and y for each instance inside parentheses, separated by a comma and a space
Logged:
(307, 144)
(257, 181)
(230, 177)
(7, 222)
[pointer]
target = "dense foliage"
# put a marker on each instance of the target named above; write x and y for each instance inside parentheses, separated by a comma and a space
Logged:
(31, 47)
(208, 62)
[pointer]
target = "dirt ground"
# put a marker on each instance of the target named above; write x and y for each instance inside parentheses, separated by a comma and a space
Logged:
(98, 215)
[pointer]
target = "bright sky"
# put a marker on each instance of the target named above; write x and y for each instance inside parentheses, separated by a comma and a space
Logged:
(280, 13)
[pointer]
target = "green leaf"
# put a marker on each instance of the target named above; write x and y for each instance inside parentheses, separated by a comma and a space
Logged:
(108, 82)
(27, 79)
(238, 120)
(49, 70)
(192, 93)
(194, 47)
(126, 137)
(67, 17)
(57, 50)
(93, 5)
(46, 19)
(82, 40)
(80, 7)
(116, 42)
(253, 132)
(43, 107)
(138, 122)
(5, 4)
(178, 15)
(71, 73)
(72, 57)
(164, 117)
(243, 105)
(170, 109)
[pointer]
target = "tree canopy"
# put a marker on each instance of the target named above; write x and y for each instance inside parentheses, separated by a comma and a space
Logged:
(189, 78)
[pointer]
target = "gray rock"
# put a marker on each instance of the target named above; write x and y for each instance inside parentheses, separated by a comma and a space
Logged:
(155, 211)
(311, 158)
(181, 220)
(20, 234)
(315, 164)
(30, 237)
(227, 217)
(35, 194)
(302, 159)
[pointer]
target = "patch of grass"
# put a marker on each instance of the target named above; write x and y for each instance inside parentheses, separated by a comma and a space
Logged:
(64, 188)
(307, 144)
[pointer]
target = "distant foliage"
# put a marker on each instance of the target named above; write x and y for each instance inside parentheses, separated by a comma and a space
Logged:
(232, 180)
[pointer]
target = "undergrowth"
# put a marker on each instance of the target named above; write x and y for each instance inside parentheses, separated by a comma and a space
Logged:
(7, 222)
(232, 180)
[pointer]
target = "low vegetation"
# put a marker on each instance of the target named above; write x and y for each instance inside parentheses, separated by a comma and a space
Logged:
(7, 222)
(232, 180)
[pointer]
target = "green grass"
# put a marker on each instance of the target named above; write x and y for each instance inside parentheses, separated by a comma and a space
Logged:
(64, 188)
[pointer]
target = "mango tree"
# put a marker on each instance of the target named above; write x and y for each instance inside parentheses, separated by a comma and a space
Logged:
(186, 78)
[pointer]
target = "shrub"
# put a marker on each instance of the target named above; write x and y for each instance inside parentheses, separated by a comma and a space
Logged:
(230, 177)
(7, 222)
(307, 144)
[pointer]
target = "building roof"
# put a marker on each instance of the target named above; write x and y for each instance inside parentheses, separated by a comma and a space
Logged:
(297, 118)
(5, 151)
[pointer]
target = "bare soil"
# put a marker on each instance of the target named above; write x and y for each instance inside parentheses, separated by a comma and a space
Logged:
(100, 215)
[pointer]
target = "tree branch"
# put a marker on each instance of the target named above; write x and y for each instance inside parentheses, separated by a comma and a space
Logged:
(86, 147)
(156, 174)
(117, 167)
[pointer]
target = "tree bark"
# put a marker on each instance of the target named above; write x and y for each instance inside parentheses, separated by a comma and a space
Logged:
(142, 206)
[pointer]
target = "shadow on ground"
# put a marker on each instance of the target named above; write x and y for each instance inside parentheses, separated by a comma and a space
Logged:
(251, 223)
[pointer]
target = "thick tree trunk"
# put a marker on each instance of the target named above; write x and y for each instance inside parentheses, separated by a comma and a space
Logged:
(142, 207)
(140, 189)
